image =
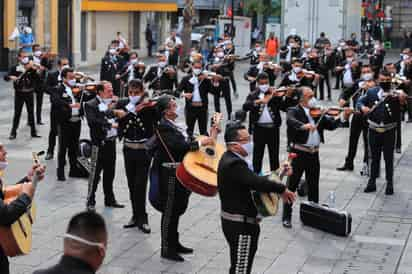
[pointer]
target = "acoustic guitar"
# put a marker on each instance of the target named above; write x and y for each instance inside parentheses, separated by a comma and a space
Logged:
(267, 204)
(16, 239)
(198, 170)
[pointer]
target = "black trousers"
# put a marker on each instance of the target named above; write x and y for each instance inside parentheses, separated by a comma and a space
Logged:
(322, 81)
(69, 135)
(263, 136)
(307, 163)
(232, 80)
(175, 198)
(54, 125)
(226, 96)
(21, 98)
(339, 79)
(358, 125)
(103, 159)
(4, 263)
(243, 242)
(398, 141)
(137, 163)
(378, 143)
(39, 105)
(194, 114)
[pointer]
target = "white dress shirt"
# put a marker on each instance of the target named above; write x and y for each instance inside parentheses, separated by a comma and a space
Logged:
(68, 90)
(265, 117)
(196, 92)
(314, 137)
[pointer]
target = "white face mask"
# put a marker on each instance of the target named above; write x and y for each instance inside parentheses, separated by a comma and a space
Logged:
(71, 83)
(65, 66)
(215, 84)
(264, 88)
(133, 61)
(376, 46)
(349, 60)
(220, 54)
(3, 165)
(297, 69)
(112, 51)
(25, 60)
(312, 103)
(134, 99)
(162, 64)
(258, 49)
(367, 76)
(37, 53)
(248, 147)
(197, 71)
(107, 101)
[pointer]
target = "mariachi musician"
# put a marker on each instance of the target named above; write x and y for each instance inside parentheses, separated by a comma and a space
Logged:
(66, 101)
(263, 66)
(230, 57)
(112, 63)
(195, 89)
(264, 120)
(172, 143)
(43, 64)
(11, 212)
(382, 107)
(160, 76)
(136, 128)
(305, 126)
(298, 76)
(25, 81)
(132, 70)
(359, 124)
(101, 118)
(326, 65)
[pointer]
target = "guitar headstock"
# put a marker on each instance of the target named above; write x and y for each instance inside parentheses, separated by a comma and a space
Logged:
(216, 120)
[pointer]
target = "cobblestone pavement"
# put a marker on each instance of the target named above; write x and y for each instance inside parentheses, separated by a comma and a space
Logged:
(379, 243)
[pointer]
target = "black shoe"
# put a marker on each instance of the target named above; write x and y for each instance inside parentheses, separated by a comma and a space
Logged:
(12, 136)
(130, 224)
(183, 250)
(144, 227)
(34, 135)
(172, 256)
(409, 121)
(60, 175)
(389, 188)
(49, 156)
(398, 150)
(40, 123)
(371, 187)
(114, 204)
(287, 223)
(345, 167)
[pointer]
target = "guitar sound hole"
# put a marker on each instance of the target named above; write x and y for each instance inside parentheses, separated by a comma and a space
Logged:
(210, 151)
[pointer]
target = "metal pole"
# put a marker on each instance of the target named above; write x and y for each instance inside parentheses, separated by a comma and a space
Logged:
(232, 20)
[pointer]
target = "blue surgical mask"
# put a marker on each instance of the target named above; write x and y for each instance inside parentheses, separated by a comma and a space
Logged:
(248, 147)
(71, 83)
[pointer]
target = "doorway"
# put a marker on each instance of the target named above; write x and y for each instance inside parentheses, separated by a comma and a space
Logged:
(65, 28)
(3, 51)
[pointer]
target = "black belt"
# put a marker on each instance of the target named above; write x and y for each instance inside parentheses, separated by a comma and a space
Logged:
(239, 218)
(266, 125)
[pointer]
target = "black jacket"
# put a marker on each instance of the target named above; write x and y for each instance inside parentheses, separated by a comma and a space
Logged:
(175, 141)
(97, 121)
(61, 103)
(304, 81)
(235, 181)
(125, 72)
(296, 118)
(164, 82)
(68, 265)
(254, 71)
(274, 106)
(110, 68)
(137, 126)
(205, 86)
(30, 79)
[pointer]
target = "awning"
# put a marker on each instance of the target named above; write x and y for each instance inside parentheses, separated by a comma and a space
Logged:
(124, 5)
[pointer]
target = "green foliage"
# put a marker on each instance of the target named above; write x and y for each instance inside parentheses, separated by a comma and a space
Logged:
(264, 7)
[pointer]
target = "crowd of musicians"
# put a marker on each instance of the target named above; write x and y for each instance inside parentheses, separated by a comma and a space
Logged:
(137, 105)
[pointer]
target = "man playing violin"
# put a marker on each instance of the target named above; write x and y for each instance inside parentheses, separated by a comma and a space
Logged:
(66, 104)
(160, 76)
(305, 133)
(382, 108)
(358, 123)
(11, 212)
(25, 81)
(136, 128)
(264, 120)
(272, 70)
(298, 76)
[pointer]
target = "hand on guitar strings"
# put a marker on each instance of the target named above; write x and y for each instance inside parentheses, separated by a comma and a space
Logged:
(37, 169)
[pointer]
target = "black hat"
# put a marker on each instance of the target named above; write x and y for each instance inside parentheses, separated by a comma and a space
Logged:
(163, 102)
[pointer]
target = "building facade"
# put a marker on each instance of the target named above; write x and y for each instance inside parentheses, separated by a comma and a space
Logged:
(95, 24)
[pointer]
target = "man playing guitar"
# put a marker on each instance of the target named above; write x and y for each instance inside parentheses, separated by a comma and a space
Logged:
(9, 213)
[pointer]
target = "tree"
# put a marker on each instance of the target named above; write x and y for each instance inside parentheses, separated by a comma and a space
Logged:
(187, 31)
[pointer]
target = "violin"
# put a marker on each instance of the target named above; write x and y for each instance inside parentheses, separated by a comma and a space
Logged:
(307, 73)
(334, 111)
(280, 92)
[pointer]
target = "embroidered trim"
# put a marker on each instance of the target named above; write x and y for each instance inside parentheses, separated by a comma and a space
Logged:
(243, 252)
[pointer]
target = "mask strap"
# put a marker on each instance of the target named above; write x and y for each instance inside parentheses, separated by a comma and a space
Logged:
(83, 241)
